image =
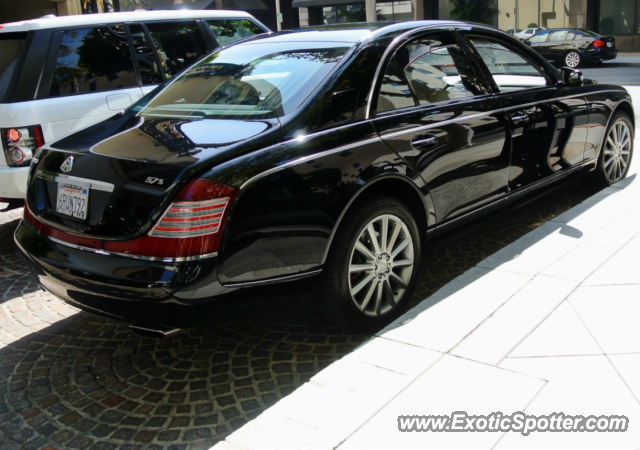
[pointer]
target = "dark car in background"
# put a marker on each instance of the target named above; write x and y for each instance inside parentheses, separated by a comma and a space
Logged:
(309, 163)
(573, 47)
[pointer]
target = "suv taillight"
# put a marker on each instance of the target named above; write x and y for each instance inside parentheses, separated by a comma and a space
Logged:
(190, 227)
(20, 144)
(598, 43)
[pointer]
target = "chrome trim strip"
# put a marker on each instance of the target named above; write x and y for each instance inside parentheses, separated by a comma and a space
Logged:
(274, 280)
(93, 184)
(303, 159)
(126, 255)
(553, 100)
(438, 124)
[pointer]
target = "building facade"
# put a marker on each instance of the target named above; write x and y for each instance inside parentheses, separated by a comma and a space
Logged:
(618, 18)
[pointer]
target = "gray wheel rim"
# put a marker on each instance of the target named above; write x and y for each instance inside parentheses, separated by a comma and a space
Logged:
(572, 59)
(617, 151)
(381, 265)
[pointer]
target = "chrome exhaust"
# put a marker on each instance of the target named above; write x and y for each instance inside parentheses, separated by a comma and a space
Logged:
(153, 331)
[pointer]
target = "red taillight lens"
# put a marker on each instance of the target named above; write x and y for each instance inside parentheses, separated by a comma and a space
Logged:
(189, 228)
(598, 43)
(20, 144)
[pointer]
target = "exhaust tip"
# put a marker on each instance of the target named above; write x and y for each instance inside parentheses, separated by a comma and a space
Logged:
(153, 331)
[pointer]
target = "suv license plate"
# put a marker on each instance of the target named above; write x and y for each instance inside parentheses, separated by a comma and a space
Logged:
(73, 200)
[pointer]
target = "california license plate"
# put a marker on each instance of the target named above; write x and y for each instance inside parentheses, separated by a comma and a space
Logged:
(73, 200)
(609, 44)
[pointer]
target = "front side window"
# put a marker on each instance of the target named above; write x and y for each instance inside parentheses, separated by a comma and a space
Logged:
(93, 60)
(249, 81)
(427, 70)
(229, 30)
(510, 71)
(179, 44)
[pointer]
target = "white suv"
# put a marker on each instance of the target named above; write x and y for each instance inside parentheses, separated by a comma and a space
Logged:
(61, 74)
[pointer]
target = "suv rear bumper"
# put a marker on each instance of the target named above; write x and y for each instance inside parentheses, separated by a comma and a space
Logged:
(13, 182)
(180, 295)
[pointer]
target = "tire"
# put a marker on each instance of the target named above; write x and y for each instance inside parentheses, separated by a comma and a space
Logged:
(616, 152)
(363, 289)
(573, 59)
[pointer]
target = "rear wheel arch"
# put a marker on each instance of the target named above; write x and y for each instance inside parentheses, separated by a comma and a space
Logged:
(421, 205)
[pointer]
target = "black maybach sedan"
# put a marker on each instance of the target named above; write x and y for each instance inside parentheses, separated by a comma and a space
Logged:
(309, 165)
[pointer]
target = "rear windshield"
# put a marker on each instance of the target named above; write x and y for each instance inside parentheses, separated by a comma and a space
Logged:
(11, 45)
(247, 81)
(587, 32)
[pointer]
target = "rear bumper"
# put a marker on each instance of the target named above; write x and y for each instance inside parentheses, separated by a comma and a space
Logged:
(597, 55)
(181, 295)
(13, 182)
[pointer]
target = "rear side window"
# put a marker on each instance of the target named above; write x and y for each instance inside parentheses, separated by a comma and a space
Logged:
(145, 56)
(11, 45)
(539, 38)
(93, 60)
(179, 44)
(227, 30)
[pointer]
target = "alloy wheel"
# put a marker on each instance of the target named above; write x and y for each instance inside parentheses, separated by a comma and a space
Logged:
(617, 151)
(572, 59)
(381, 265)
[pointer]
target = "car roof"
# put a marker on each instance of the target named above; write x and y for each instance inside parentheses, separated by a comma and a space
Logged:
(351, 32)
(118, 17)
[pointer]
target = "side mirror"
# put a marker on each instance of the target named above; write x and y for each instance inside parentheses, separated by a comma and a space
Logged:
(572, 77)
(340, 107)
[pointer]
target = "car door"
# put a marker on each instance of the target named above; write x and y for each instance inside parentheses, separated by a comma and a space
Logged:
(549, 122)
(557, 46)
(89, 76)
(436, 112)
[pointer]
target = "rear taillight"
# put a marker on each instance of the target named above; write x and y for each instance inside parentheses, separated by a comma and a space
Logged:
(598, 43)
(20, 144)
(190, 227)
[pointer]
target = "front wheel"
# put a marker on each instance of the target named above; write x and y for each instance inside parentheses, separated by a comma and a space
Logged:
(572, 59)
(615, 154)
(372, 266)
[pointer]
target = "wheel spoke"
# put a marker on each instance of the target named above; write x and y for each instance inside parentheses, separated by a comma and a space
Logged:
(399, 281)
(383, 233)
(354, 268)
(403, 263)
(394, 235)
(367, 298)
(614, 131)
(624, 163)
(374, 239)
(623, 133)
(625, 152)
(389, 292)
(365, 251)
(609, 161)
(400, 247)
(367, 279)
(610, 169)
(379, 299)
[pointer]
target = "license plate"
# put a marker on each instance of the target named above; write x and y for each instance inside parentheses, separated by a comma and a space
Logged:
(73, 200)
(609, 44)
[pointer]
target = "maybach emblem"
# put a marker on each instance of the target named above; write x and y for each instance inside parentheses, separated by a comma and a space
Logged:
(67, 165)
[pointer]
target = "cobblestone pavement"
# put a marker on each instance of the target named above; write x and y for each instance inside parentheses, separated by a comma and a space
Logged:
(69, 379)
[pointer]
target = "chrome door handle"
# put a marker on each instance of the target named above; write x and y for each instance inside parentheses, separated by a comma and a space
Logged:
(424, 141)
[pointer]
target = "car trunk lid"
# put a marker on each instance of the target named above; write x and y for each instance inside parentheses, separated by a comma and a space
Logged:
(127, 169)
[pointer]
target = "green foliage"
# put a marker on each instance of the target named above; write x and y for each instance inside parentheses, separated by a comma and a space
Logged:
(532, 25)
(482, 11)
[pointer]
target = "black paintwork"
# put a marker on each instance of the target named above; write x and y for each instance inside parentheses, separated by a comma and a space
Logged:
(555, 51)
(298, 176)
